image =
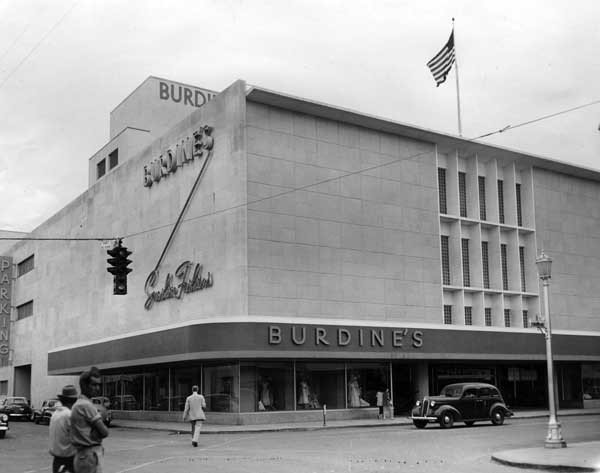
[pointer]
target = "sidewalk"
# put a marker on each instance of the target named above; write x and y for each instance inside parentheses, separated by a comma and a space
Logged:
(576, 457)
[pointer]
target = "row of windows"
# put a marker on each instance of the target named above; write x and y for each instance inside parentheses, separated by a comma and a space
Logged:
(448, 320)
(113, 161)
(485, 263)
(463, 197)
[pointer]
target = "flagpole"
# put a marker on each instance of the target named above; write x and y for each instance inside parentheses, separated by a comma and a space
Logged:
(457, 87)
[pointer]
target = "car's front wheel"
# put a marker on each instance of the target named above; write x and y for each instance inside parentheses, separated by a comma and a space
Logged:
(36, 420)
(2, 433)
(498, 416)
(420, 424)
(447, 420)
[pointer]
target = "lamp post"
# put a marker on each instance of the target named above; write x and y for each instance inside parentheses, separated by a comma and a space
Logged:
(554, 438)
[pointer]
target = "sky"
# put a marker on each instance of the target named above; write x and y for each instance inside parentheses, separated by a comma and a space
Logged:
(65, 64)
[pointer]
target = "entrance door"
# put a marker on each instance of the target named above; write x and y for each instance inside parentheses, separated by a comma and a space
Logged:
(569, 386)
(22, 385)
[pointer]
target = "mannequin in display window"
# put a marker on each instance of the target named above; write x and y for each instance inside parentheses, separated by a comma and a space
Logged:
(354, 392)
(304, 394)
(266, 395)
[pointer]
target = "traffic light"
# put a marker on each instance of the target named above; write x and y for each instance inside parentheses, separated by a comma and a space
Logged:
(118, 268)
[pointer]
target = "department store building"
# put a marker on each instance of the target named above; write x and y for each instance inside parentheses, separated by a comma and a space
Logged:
(290, 255)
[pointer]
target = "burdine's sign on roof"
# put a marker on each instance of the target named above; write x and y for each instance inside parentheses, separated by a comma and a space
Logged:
(156, 104)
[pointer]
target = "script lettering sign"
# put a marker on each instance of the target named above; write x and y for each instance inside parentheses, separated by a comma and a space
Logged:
(188, 277)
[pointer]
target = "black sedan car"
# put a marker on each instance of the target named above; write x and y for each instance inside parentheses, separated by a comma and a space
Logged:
(461, 402)
(43, 414)
(16, 407)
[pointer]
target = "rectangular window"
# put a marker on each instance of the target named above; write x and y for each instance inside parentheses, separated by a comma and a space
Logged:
(101, 169)
(442, 190)
(448, 314)
(468, 315)
(465, 262)
(525, 319)
(519, 213)
(445, 261)
(501, 201)
(25, 310)
(462, 193)
(507, 317)
(504, 267)
(3, 388)
(488, 316)
(113, 158)
(482, 209)
(25, 266)
(522, 263)
(485, 263)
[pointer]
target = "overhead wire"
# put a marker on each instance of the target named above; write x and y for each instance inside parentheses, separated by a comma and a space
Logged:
(324, 181)
(37, 45)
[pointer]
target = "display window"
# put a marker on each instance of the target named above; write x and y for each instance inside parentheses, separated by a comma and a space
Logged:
(266, 386)
(319, 384)
(590, 379)
(182, 380)
(365, 380)
(220, 387)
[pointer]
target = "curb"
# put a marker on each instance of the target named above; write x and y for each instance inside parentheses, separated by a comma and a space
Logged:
(301, 428)
(541, 466)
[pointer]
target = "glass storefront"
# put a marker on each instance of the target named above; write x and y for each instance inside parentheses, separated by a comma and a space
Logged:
(251, 386)
(590, 379)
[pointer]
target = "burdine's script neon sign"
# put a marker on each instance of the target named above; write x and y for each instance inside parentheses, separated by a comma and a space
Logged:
(176, 285)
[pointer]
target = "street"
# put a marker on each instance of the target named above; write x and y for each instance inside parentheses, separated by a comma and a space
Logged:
(365, 449)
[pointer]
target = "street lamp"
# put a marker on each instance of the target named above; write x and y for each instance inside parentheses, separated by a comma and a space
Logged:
(554, 438)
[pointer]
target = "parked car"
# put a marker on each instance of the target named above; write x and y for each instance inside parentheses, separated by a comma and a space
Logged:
(3, 425)
(126, 402)
(461, 402)
(43, 414)
(16, 406)
(102, 404)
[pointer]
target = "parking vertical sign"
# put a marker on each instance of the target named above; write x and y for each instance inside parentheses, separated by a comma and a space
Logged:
(5, 302)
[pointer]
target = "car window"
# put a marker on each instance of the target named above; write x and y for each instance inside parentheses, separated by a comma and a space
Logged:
(485, 392)
(451, 391)
(470, 393)
(494, 393)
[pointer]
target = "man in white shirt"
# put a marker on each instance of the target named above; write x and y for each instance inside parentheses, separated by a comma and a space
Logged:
(60, 442)
(194, 412)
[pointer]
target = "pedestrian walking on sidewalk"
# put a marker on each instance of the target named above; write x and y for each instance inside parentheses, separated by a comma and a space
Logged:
(379, 399)
(87, 428)
(194, 412)
(59, 432)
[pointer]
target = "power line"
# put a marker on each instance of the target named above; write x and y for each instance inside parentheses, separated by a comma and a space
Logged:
(59, 239)
(13, 43)
(307, 186)
(512, 127)
(38, 44)
(360, 171)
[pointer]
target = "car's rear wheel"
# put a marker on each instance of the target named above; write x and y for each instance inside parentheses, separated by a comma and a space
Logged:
(420, 424)
(469, 423)
(2, 433)
(498, 416)
(37, 420)
(447, 420)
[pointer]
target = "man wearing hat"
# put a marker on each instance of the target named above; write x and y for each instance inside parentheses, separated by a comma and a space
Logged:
(60, 445)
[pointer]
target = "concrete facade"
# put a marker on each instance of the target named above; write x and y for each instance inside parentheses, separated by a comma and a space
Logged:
(318, 217)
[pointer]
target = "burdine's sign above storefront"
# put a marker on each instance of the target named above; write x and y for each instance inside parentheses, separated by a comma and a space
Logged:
(238, 340)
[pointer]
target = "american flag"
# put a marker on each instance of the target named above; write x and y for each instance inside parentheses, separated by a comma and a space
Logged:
(442, 62)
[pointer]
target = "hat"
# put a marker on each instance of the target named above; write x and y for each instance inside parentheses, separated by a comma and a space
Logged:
(68, 392)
